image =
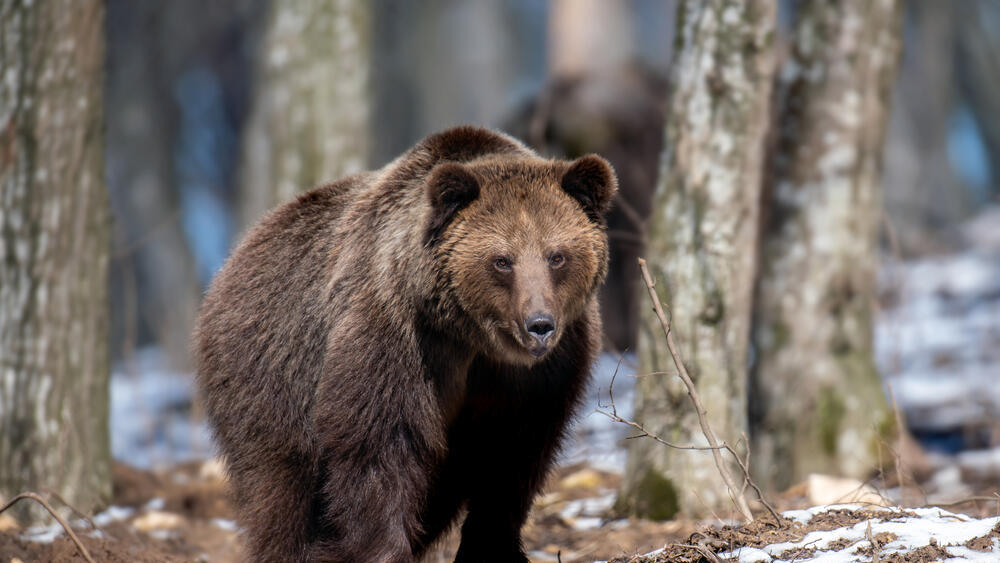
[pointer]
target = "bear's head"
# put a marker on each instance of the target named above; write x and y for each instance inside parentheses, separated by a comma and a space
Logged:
(521, 246)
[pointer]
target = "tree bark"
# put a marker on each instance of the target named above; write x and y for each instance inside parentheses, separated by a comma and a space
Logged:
(701, 249)
(310, 122)
(54, 245)
(817, 404)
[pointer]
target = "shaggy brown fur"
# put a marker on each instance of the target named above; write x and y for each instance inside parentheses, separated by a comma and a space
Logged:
(391, 347)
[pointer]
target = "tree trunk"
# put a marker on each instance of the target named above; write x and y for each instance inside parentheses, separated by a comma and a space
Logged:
(310, 119)
(817, 404)
(701, 249)
(54, 245)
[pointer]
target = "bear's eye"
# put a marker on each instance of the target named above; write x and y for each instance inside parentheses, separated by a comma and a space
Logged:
(503, 264)
(557, 260)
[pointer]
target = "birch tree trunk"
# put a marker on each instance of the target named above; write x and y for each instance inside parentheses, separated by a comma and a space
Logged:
(54, 245)
(817, 404)
(310, 122)
(701, 249)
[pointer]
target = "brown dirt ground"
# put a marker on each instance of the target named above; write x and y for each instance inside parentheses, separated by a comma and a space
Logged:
(198, 497)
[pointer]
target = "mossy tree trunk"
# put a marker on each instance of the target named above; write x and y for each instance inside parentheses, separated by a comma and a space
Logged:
(54, 251)
(816, 403)
(701, 249)
(310, 122)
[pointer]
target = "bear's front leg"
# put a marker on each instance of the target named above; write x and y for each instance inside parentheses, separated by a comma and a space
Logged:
(508, 435)
(492, 533)
(506, 473)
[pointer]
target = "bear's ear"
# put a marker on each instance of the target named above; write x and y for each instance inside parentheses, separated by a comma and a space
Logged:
(450, 187)
(591, 181)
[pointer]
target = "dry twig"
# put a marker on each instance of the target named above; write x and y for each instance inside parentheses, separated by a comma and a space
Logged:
(69, 530)
(900, 438)
(876, 548)
(704, 551)
(706, 429)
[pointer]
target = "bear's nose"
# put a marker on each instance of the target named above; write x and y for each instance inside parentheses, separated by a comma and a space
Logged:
(541, 326)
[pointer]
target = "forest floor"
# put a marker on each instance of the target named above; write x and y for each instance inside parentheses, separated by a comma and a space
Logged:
(938, 346)
(182, 514)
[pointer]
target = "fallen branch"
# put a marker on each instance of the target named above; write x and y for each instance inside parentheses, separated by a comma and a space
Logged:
(737, 497)
(876, 548)
(704, 551)
(69, 530)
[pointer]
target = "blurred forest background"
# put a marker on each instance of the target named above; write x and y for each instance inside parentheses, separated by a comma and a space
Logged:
(214, 112)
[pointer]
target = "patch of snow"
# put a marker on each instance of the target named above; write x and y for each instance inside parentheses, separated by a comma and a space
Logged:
(938, 340)
(151, 422)
(589, 506)
(113, 514)
(163, 535)
(587, 523)
(43, 534)
(751, 555)
(926, 526)
(227, 525)
(980, 463)
(597, 439)
(800, 516)
(619, 524)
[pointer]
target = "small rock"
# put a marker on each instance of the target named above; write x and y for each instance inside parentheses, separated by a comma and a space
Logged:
(548, 499)
(154, 504)
(157, 520)
(7, 523)
(826, 489)
(583, 479)
(213, 470)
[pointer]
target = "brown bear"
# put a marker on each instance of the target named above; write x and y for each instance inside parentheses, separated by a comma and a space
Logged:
(392, 347)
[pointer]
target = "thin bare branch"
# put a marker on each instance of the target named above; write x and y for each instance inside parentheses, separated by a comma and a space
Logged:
(704, 551)
(745, 466)
(647, 434)
(611, 386)
(69, 530)
(738, 499)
